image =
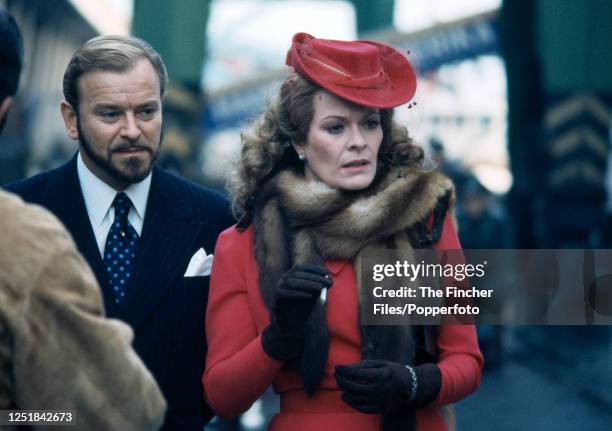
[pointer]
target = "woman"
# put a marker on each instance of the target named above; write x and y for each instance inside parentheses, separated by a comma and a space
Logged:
(326, 175)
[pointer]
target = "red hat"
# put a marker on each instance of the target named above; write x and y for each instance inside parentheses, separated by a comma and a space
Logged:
(364, 72)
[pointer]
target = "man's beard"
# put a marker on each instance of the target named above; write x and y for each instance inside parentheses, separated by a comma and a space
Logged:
(107, 166)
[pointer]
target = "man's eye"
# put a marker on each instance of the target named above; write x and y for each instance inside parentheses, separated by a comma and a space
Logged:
(109, 115)
(147, 113)
(335, 129)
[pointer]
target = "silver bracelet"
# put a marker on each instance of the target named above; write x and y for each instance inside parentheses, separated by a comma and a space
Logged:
(413, 385)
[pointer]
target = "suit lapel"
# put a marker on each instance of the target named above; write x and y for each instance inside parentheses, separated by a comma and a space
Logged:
(67, 203)
(169, 238)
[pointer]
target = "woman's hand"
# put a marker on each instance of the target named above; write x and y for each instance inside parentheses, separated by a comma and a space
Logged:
(377, 386)
(297, 293)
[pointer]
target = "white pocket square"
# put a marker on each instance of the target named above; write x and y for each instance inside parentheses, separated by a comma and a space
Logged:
(200, 264)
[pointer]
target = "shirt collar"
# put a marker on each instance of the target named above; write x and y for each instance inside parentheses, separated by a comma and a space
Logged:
(99, 196)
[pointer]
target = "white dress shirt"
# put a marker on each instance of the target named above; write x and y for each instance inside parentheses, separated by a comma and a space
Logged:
(99, 198)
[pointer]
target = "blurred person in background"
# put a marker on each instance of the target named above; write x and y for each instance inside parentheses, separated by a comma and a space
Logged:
(484, 224)
(453, 169)
(57, 350)
(326, 175)
(144, 231)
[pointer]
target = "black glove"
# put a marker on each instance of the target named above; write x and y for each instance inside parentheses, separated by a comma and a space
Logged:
(297, 293)
(378, 386)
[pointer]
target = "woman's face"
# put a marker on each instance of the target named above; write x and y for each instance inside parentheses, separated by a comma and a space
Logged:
(342, 143)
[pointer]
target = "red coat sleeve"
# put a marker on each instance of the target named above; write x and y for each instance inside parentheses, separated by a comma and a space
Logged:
(237, 369)
(460, 360)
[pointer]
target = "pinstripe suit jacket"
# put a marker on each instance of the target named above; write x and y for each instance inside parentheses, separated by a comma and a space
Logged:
(165, 309)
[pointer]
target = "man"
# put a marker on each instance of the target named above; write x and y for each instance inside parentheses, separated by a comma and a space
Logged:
(57, 351)
(137, 225)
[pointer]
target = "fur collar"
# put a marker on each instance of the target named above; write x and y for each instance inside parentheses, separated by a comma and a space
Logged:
(315, 223)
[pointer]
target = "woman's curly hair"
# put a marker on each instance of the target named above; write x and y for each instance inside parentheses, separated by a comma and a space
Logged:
(266, 145)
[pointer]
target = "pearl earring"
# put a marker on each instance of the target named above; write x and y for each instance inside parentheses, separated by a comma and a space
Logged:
(302, 157)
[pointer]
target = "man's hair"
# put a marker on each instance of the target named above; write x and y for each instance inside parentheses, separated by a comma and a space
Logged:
(110, 53)
(11, 55)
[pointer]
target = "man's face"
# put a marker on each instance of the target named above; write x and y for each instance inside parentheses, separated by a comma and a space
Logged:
(118, 123)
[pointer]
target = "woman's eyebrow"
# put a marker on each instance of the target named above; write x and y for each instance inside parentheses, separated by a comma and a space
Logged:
(335, 116)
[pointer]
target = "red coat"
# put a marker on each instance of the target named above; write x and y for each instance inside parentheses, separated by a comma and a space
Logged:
(238, 371)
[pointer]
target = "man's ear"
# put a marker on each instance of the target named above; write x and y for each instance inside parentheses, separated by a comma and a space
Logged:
(4, 106)
(70, 119)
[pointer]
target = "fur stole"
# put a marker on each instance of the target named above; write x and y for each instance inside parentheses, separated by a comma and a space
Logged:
(297, 222)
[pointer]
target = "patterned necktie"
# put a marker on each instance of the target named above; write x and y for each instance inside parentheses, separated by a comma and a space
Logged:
(120, 249)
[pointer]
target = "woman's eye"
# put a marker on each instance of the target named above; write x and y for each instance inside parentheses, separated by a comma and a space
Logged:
(372, 124)
(335, 129)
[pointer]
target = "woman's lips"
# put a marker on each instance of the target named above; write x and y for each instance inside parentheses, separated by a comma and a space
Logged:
(356, 165)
